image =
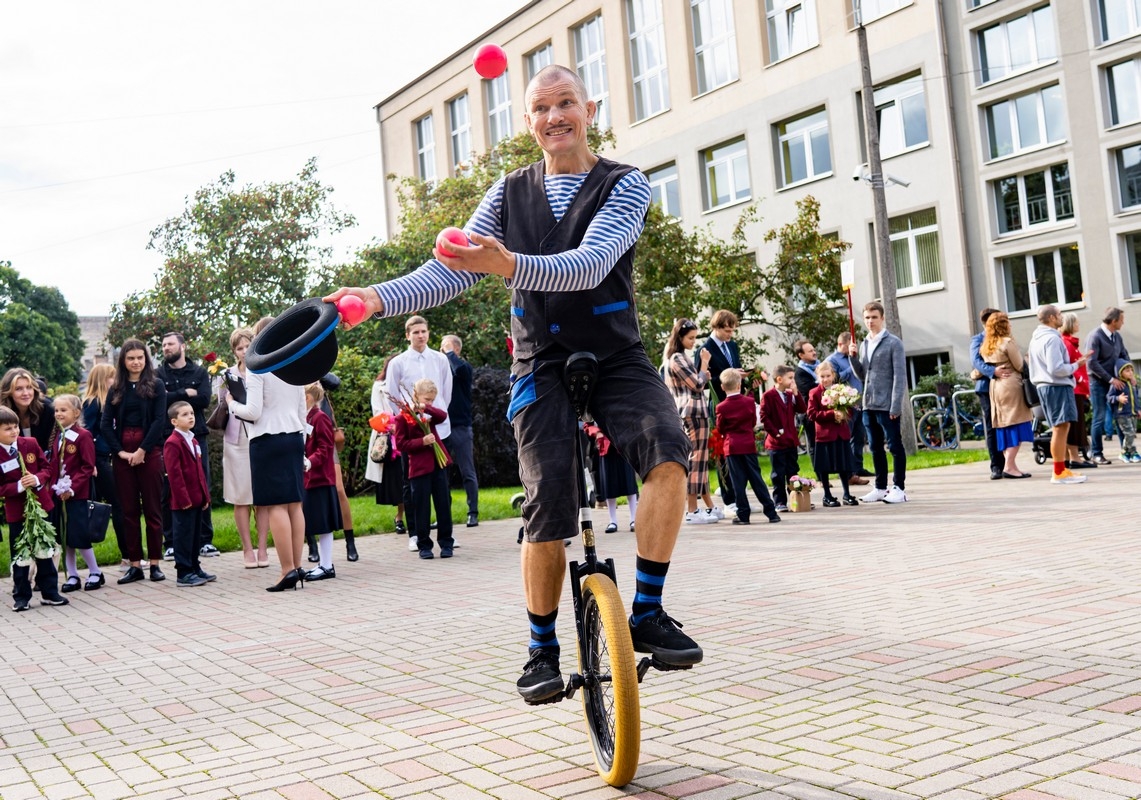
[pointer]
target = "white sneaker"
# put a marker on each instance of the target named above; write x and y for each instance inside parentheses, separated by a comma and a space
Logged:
(413, 547)
(697, 518)
(874, 496)
(715, 514)
(895, 495)
(730, 510)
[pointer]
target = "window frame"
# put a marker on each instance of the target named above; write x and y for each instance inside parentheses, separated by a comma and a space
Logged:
(1133, 12)
(1016, 132)
(459, 135)
(1119, 169)
(778, 28)
(1051, 198)
(650, 87)
(885, 7)
(780, 131)
(1111, 96)
(895, 100)
(542, 56)
(911, 235)
(425, 148)
(720, 44)
(498, 109)
(731, 159)
(659, 187)
(1036, 46)
(1033, 280)
(591, 66)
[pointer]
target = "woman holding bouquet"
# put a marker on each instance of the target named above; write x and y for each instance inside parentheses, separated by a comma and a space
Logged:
(829, 405)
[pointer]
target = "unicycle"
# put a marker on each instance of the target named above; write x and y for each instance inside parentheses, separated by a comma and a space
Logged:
(609, 673)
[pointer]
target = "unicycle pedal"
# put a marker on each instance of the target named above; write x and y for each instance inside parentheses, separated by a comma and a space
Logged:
(653, 661)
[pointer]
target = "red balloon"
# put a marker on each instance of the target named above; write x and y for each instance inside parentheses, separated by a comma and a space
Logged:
(490, 61)
(352, 309)
(453, 235)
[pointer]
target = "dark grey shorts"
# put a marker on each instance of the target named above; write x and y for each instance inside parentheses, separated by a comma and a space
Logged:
(1058, 403)
(632, 406)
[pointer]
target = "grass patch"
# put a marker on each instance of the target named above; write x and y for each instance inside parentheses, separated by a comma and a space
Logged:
(369, 518)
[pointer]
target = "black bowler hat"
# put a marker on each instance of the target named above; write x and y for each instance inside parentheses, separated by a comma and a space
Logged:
(300, 345)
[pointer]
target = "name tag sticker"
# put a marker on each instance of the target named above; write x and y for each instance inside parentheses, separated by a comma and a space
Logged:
(308, 430)
(11, 464)
(71, 435)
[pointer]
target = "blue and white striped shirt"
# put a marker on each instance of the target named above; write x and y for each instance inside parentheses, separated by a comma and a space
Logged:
(611, 233)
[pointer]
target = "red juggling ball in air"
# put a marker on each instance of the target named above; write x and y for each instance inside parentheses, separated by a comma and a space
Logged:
(453, 235)
(352, 309)
(490, 61)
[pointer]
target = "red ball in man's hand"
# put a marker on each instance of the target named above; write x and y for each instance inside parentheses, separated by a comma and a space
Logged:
(490, 61)
(453, 235)
(352, 309)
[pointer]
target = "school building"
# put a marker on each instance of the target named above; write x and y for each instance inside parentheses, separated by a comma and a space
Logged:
(1016, 125)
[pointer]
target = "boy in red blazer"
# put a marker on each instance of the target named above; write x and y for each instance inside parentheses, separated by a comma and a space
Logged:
(189, 494)
(429, 481)
(13, 484)
(736, 419)
(779, 407)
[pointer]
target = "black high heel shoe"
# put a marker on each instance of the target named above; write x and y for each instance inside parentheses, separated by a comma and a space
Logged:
(290, 581)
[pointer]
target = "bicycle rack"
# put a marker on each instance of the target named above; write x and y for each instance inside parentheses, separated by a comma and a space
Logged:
(917, 415)
(955, 412)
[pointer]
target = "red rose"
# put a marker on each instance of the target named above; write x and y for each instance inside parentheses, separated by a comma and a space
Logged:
(210, 358)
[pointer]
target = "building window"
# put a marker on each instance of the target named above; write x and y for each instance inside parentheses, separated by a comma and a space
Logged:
(1123, 88)
(726, 170)
(922, 366)
(648, 57)
(915, 249)
(1037, 278)
(792, 27)
(1133, 259)
(459, 119)
(864, 11)
(537, 59)
(803, 146)
(901, 114)
(425, 149)
(1129, 175)
(664, 189)
(498, 109)
(1119, 18)
(1036, 198)
(1027, 121)
(714, 43)
(590, 60)
(1017, 44)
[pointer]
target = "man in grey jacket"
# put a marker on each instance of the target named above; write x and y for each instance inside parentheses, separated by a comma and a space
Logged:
(1052, 373)
(882, 366)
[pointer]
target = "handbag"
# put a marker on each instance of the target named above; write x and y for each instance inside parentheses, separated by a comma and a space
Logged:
(1029, 390)
(379, 449)
(339, 439)
(98, 515)
(220, 416)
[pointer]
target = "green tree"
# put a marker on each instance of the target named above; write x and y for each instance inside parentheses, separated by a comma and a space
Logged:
(233, 255)
(38, 330)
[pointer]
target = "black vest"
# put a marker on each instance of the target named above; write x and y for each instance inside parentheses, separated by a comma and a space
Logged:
(602, 320)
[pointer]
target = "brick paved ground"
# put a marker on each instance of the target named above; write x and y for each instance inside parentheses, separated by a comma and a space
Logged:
(981, 641)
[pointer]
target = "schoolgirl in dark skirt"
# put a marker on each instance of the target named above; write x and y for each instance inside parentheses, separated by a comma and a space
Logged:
(321, 505)
(71, 456)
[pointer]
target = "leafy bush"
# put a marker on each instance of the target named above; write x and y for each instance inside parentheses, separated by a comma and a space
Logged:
(496, 459)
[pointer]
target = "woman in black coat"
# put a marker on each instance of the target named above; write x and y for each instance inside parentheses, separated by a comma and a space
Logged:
(21, 392)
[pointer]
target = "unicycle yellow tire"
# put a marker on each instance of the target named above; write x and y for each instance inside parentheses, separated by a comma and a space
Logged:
(610, 675)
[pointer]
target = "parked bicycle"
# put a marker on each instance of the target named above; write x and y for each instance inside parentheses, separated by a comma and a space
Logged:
(942, 427)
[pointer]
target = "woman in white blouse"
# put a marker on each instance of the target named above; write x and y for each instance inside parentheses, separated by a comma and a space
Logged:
(275, 411)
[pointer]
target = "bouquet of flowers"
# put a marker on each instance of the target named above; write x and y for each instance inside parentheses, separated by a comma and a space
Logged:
(404, 403)
(716, 445)
(380, 423)
(841, 398)
(37, 540)
(214, 365)
(799, 484)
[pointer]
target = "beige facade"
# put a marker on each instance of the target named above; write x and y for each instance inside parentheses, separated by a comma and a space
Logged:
(726, 102)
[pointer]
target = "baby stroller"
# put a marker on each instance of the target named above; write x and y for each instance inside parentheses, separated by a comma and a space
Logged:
(1042, 433)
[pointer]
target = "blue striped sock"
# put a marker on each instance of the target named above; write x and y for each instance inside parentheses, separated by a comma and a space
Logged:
(651, 577)
(543, 631)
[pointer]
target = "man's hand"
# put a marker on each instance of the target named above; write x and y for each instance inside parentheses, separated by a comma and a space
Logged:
(486, 255)
(1003, 371)
(1116, 383)
(368, 295)
(853, 349)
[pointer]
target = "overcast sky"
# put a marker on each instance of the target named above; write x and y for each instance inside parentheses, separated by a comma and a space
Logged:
(112, 114)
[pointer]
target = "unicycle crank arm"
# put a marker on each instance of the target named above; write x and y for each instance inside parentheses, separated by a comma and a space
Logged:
(653, 661)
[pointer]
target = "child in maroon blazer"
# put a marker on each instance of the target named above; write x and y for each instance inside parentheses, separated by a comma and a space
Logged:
(71, 455)
(15, 448)
(833, 453)
(189, 494)
(321, 504)
(428, 480)
(779, 407)
(736, 419)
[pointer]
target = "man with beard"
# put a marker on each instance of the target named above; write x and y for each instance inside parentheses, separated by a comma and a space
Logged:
(185, 380)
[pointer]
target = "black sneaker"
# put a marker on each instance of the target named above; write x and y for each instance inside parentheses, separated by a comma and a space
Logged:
(541, 679)
(206, 576)
(20, 605)
(54, 600)
(661, 635)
